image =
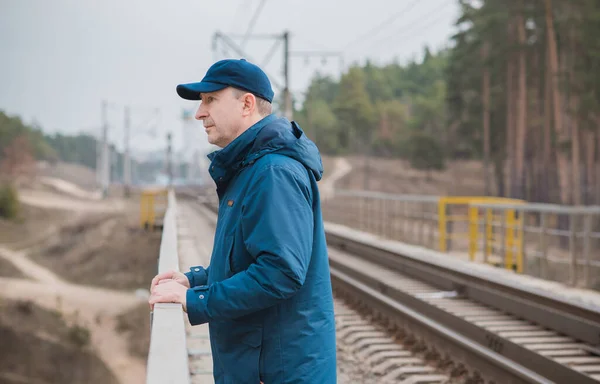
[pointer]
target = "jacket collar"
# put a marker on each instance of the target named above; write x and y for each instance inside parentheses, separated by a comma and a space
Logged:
(226, 162)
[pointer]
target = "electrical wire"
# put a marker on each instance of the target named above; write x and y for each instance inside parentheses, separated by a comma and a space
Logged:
(238, 12)
(379, 27)
(411, 29)
(252, 22)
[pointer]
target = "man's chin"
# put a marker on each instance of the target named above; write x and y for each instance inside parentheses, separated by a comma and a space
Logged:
(215, 142)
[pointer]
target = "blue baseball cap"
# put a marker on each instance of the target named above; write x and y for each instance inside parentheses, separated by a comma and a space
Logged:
(235, 73)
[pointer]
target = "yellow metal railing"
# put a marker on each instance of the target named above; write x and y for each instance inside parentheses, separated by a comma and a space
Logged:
(153, 205)
(511, 235)
(546, 240)
(511, 243)
(461, 225)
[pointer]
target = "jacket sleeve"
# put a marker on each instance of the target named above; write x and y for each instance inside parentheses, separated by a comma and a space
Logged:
(277, 226)
(197, 276)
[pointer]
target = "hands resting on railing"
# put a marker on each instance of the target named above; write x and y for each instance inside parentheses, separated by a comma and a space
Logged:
(169, 287)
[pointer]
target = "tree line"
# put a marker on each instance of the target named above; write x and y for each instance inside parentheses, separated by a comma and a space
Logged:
(532, 95)
(393, 111)
(21, 145)
(18, 139)
(518, 87)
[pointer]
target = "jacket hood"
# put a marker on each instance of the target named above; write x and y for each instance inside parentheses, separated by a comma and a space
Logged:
(269, 135)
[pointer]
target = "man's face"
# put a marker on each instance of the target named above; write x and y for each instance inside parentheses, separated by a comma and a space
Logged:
(221, 113)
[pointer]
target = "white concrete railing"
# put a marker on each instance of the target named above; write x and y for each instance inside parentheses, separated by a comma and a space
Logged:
(167, 357)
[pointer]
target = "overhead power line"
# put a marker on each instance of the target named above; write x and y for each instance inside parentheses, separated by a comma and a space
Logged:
(239, 10)
(379, 27)
(270, 54)
(252, 22)
(412, 28)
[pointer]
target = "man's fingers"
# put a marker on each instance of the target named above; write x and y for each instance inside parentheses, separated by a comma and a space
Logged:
(164, 275)
(161, 276)
(157, 298)
(165, 281)
(169, 292)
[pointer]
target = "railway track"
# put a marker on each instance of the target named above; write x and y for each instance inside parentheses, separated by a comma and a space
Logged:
(478, 328)
(500, 332)
(376, 354)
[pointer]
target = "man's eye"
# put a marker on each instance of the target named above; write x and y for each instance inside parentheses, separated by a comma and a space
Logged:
(209, 99)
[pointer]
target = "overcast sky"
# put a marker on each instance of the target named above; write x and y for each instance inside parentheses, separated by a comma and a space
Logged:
(61, 58)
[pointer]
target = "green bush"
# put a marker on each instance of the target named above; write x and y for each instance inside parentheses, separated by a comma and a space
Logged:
(9, 202)
(425, 152)
(79, 335)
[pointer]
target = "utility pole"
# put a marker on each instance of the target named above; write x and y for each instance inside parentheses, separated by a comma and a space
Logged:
(134, 175)
(486, 120)
(228, 42)
(114, 162)
(105, 164)
(99, 158)
(288, 110)
(126, 159)
(169, 160)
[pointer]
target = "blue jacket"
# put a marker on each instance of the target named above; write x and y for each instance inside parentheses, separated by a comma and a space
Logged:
(267, 292)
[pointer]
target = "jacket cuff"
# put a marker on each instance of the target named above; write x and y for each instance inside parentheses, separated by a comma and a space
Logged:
(190, 278)
(196, 300)
(197, 276)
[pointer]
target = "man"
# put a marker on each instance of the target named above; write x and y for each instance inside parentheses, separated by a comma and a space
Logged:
(267, 292)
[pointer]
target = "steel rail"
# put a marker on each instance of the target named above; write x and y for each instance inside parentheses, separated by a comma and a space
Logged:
(490, 365)
(581, 321)
(573, 319)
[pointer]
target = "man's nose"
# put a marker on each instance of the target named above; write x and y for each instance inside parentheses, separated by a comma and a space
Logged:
(201, 113)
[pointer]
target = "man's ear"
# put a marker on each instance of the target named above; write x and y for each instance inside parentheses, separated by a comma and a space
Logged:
(249, 104)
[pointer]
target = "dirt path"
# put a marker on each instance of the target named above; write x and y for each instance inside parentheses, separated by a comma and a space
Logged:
(95, 308)
(70, 188)
(30, 268)
(342, 167)
(45, 199)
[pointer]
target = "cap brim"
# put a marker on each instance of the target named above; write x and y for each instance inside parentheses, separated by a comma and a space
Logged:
(192, 91)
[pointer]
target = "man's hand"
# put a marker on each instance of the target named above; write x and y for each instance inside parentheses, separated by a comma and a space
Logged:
(168, 291)
(170, 275)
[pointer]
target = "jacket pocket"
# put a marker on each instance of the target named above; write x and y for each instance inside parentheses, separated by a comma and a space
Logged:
(230, 241)
(240, 260)
(239, 345)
